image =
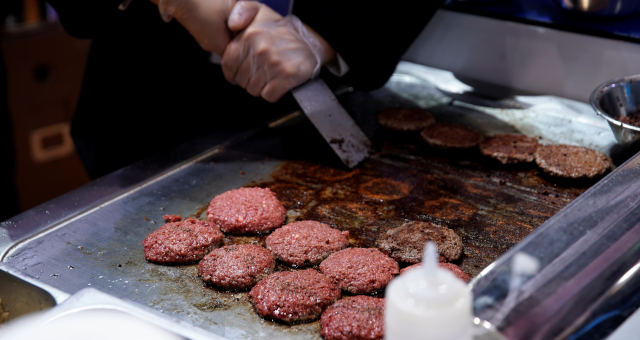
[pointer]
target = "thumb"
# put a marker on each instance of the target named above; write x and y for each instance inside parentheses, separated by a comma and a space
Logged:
(242, 15)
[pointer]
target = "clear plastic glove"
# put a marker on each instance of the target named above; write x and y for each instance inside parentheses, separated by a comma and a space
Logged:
(206, 20)
(272, 54)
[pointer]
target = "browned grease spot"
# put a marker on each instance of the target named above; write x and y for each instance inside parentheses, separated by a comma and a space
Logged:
(385, 189)
(538, 213)
(331, 174)
(336, 191)
(291, 195)
(347, 209)
(473, 189)
(200, 211)
(449, 209)
(492, 207)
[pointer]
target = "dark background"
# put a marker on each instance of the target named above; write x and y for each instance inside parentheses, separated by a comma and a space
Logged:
(41, 70)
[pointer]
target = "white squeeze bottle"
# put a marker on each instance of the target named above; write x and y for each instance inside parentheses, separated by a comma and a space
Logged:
(428, 303)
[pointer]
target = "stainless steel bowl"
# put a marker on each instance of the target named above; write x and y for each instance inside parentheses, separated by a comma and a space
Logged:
(615, 98)
(602, 7)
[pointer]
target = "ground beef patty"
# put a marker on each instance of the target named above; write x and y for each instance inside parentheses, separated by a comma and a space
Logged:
(181, 242)
(510, 148)
(357, 317)
(238, 266)
(451, 136)
(449, 266)
(360, 270)
(405, 119)
(294, 296)
(305, 243)
(246, 210)
(406, 243)
(570, 161)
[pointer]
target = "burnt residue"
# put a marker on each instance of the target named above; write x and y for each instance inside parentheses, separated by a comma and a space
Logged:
(491, 206)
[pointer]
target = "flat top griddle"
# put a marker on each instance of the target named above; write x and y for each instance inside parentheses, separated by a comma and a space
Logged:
(492, 206)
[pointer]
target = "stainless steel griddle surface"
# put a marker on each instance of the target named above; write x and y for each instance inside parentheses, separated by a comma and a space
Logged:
(101, 247)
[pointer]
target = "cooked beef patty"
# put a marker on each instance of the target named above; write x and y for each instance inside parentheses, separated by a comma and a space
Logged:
(358, 317)
(181, 242)
(246, 210)
(406, 243)
(305, 243)
(385, 189)
(451, 136)
(446, 265)
(360, 270)
(405, 119)
(510, 148)
(294, 296)
(570, 161)
(237, 267)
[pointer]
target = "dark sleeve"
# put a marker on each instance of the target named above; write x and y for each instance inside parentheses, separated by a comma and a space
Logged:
(370, 36)
(93, 18)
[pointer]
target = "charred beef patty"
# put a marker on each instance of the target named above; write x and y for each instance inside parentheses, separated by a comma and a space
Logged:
(246, 210)
(405, 119)
(237, 267)
(181, 242)
(406, 243)
(570, 161)
(305, 243)
(296, 296)
(510, 148)
(449, 266)
(358, 317)
(451, 136)
(360, 270)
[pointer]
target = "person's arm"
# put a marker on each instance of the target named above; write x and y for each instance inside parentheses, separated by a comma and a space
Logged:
(206, 20)
(371, 36)
(271, 54)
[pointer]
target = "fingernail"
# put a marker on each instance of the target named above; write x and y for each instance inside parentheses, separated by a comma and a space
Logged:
(237, 15)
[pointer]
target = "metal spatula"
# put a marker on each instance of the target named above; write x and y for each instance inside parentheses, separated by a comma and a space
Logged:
(334, 123)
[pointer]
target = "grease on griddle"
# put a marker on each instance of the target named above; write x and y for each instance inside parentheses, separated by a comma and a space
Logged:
(491, 207)
(331, 174)
(446, 208)
(291, 195)
(385, 189)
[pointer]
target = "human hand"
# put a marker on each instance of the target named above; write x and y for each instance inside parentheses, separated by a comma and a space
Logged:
(206, 20)
(272, 54)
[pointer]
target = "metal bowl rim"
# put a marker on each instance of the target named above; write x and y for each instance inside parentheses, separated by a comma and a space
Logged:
(601, 89)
